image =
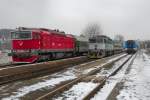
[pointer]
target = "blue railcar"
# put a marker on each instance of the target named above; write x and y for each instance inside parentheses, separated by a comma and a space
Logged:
(131, 46)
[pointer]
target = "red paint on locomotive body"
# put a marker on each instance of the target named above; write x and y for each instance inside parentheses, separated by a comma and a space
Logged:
(26, 44)
(31, 59)
(29, 45)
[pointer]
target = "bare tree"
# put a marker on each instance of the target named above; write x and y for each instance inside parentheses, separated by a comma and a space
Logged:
(119, 38)
(92, 30)
(118, 41)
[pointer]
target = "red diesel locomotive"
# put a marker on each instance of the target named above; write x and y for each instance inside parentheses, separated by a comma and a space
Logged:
(35, 44)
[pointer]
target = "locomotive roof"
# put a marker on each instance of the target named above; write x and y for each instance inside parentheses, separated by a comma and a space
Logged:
(56, 31)
(102, 36)
(130, 40)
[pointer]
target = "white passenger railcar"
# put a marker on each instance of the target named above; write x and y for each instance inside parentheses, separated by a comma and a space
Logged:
(100, 46)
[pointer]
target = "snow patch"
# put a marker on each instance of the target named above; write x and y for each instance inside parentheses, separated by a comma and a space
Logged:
(45, 84)
(112, 81)
(103, 93)
(78, 92)
(109, 61)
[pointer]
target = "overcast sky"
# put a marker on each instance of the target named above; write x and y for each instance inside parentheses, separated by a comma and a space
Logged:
(131, 18)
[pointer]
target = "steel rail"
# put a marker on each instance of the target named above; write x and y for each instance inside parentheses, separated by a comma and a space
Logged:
(74, 81)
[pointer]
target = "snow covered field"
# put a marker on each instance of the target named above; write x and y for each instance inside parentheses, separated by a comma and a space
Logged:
(137, 81)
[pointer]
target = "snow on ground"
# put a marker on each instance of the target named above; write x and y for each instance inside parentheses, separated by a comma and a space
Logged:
(110, 60)
(49, 83)
(4, 58)
(107, 71)
(78, 92)
(137, 84)
(104, 92)
(116, 57)
(19, 89)
(112, 81)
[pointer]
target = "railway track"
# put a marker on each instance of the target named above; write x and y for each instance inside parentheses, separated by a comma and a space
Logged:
(11, 65)
(115, 90)
(14, 73)
(33, 88)
(90, 77)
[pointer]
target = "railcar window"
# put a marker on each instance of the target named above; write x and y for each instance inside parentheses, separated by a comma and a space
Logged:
(21, 35)
(99, 40)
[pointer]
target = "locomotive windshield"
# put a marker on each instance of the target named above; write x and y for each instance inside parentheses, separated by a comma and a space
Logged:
(96, 40)
(131, 44)
(21, 35)
(92, 40)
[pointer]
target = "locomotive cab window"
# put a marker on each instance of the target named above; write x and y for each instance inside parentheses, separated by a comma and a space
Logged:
(99, 40)
(92, 40)
(21, 35)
